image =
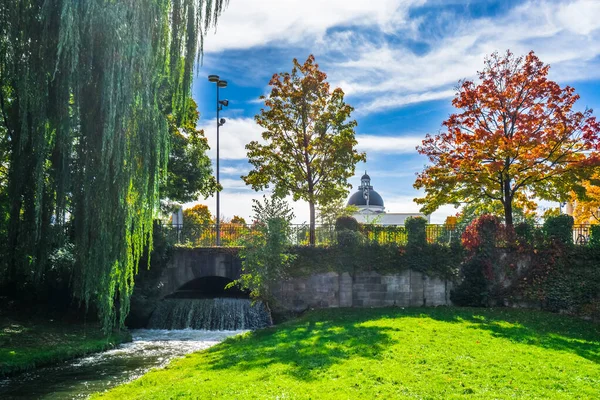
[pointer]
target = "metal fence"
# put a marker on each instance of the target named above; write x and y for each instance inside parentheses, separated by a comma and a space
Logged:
(205, 235)
(581, 234)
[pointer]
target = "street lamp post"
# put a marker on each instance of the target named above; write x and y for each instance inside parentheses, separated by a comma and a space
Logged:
(220, 121)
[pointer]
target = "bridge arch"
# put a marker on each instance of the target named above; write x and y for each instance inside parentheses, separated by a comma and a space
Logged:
(188, 265)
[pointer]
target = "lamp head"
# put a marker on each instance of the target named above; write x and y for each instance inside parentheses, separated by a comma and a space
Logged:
(213, 78)
(225, 103)
(222, 84)
(222, 121)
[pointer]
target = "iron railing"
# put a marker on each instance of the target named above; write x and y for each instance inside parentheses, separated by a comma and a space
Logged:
(205, 235)
(581, 234)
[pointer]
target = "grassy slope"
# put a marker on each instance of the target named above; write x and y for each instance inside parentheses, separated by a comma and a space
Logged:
(25, 345)
(392, 353)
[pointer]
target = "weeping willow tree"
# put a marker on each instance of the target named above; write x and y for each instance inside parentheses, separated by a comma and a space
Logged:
(85, 90)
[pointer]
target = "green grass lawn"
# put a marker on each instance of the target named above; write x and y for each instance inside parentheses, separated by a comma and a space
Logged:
(442, 353)
(26, 344)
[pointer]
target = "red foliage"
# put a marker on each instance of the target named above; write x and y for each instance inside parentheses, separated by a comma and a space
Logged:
(518, 135)
(485, 230)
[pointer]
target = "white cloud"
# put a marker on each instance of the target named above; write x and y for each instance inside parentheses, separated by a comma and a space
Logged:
(237, 133)
(235, 170)
(233, 137)
(382, 75)
(234, 184)
(246, 24)
(582, 17)
(394, 101)
(388, 144)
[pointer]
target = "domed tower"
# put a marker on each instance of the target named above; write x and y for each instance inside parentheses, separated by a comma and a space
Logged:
(366, 199)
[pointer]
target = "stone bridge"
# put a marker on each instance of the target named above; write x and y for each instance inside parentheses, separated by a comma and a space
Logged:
(187, 265)
(208, 270)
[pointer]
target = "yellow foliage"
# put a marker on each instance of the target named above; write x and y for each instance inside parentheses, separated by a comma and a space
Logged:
(587, 211)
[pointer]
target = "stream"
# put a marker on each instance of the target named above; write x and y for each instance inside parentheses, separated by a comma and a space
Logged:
(79, 378)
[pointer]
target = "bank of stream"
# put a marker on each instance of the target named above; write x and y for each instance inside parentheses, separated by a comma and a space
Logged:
(150, 348)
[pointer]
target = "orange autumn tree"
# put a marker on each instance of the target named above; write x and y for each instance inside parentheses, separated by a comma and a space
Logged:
(198, 225)
(234, 230)
(587, 203)
(517, 137)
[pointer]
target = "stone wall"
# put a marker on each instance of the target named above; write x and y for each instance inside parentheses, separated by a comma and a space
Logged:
(368, 289)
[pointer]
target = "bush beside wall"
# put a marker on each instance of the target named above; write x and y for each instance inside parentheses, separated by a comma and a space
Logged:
(526, 266)
(432, 259)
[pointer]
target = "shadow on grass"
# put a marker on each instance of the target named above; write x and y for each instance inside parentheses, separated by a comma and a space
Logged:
(307, 346)
(303, 347)
(537, 328)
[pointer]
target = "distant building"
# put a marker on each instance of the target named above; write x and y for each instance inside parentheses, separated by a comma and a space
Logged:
(371, 207)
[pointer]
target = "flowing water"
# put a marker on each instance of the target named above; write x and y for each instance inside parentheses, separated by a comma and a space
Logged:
(212, 314)
(81, 377)
(150, 348)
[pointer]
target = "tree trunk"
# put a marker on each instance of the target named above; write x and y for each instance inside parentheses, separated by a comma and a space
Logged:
(15, 196)
(508, 217)
(508, 198)
(312, 223)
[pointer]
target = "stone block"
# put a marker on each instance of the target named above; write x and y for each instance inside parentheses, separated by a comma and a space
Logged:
(377, 295)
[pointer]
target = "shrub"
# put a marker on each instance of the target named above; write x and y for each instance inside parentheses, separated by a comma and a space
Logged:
(524, 234)
(482, 234)
(559, 229)
(565, 279)
(349, 239)
(595, 236)
(488, 268)
(416, 231)
(266, 255)
(473, 289)
(435, 260)
(346, 223)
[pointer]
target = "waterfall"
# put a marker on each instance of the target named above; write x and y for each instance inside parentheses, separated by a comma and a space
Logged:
(223, 314)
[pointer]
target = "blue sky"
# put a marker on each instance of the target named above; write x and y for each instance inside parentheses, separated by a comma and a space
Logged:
(398, 65)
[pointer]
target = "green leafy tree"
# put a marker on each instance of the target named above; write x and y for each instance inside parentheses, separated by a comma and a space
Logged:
(331, 211)
(85, 90)
(310, 149)
(189, 172)
(266, 250)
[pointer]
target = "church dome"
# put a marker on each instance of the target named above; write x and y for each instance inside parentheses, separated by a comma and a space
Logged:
(357, 199)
